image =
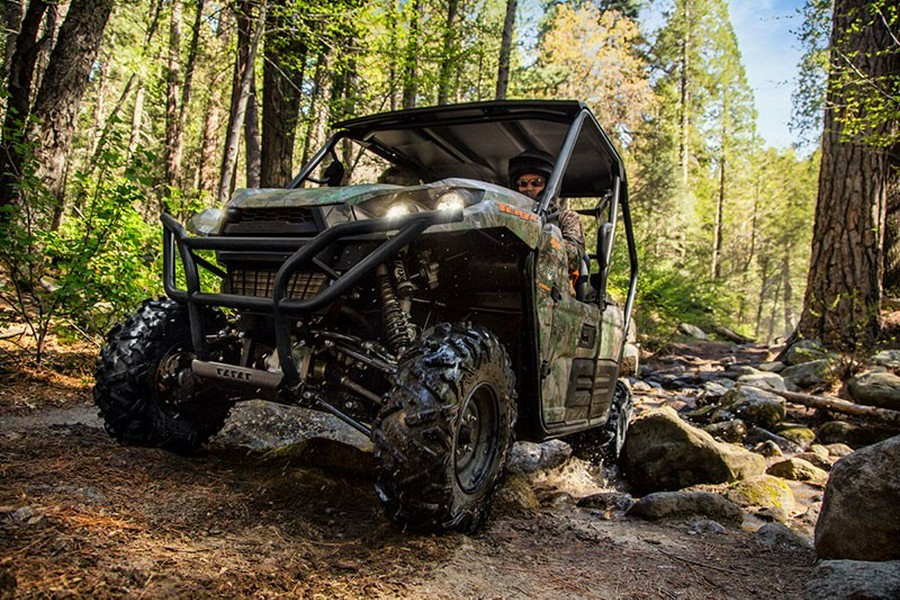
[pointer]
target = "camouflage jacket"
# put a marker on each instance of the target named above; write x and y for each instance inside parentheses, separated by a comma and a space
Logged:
(573, 234)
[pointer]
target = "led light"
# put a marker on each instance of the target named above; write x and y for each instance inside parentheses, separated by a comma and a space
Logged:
(398, 209)
(452, 200)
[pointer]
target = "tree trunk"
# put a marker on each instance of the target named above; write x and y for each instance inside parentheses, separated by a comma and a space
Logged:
(239, 97)
(841, 307)
(684, 149)
(315, 128)
(174, 146)
(891, 280)
(720, 209)
(449, 55)
(251, 134)
(788, 292)
(137, 119)
(21, 75)
(59, 98)
(509, 27)
(283, 73)
(411, 62)
(12, 21)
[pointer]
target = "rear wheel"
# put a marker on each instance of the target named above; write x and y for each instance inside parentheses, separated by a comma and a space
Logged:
(443, 439)
(145, 390)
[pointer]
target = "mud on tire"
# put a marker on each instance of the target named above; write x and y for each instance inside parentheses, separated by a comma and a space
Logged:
(443, 439)
(143, 386)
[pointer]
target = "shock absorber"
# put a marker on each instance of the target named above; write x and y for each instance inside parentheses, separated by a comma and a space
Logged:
(397, 329)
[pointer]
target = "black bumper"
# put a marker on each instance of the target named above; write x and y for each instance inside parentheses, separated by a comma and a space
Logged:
(301, 251)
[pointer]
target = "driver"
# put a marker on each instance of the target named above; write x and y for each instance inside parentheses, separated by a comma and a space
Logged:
(528, 174)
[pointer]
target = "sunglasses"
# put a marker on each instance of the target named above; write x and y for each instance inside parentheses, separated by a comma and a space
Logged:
(533, 182)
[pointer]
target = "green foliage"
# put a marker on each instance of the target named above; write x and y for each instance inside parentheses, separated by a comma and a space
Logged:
(95, 266)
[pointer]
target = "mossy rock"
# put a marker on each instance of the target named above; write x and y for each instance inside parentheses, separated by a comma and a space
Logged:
(802, 436)
(764, 491)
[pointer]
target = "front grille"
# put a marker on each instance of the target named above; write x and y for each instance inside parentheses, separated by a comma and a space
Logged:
(282, 215)
(247, 282)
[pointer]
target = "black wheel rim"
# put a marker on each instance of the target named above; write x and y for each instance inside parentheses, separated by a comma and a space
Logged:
(175, 386)
(475, 442)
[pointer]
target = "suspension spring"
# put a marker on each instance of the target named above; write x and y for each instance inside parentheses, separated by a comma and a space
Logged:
(397, 330)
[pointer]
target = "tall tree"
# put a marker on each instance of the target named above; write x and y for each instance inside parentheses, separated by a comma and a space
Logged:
(63, 85)
(506, 42)
(174, 140)
(411, 58)
(448, 56)
(240, 94)
(843, 295)
(283, 72)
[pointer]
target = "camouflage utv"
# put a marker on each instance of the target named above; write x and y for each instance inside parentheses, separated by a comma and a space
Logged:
(436, 317)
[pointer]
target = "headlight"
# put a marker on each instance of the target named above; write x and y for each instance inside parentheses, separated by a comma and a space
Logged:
(398, 209)
(452, 200)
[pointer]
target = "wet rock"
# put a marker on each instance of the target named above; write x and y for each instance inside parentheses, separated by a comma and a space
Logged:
(779, 534)
(768, 448)
(859, 517)
(876, 389)
(662, 452)
(329, 455)
(692, 331)
(887, 358)
(802, 436)
(516, 495)
(263, 426)
(754, 405)
(805, 351)
(810, 374)
(797, 469)
(684, 505)
(528, 457)
(607, 501)
(728, 431)
(764, 491)
(854, 580)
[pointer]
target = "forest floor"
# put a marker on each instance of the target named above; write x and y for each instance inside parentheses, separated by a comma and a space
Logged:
(83, 516)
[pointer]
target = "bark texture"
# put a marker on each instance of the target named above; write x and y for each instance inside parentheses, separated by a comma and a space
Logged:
(843, 294)
(509, 26)
(64, 83)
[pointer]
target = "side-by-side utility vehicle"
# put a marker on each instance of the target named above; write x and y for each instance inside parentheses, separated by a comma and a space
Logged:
(434, 311)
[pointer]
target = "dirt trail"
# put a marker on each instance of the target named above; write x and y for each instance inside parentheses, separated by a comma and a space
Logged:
(80, 515)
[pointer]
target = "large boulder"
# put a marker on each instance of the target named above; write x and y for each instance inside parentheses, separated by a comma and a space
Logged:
(888, 358)
(662, 452)
(754, 405)
(854, 580)
(860, 516)
(881, 389)
(692, 331)
(684, 505)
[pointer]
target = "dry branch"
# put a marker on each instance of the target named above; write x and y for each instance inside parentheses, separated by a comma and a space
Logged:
(842, 406)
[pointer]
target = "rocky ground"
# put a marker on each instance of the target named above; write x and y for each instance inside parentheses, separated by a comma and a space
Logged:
(255, 514)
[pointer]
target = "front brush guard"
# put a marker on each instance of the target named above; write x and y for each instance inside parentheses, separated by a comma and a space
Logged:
(302, 253)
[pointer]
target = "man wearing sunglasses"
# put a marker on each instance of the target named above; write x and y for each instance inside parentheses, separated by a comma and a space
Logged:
(528, 174)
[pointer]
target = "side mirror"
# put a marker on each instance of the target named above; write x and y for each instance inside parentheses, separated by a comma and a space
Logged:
(206, 222)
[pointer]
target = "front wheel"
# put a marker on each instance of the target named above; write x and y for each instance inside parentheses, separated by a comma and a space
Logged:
(443, 438)
(145, 389)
